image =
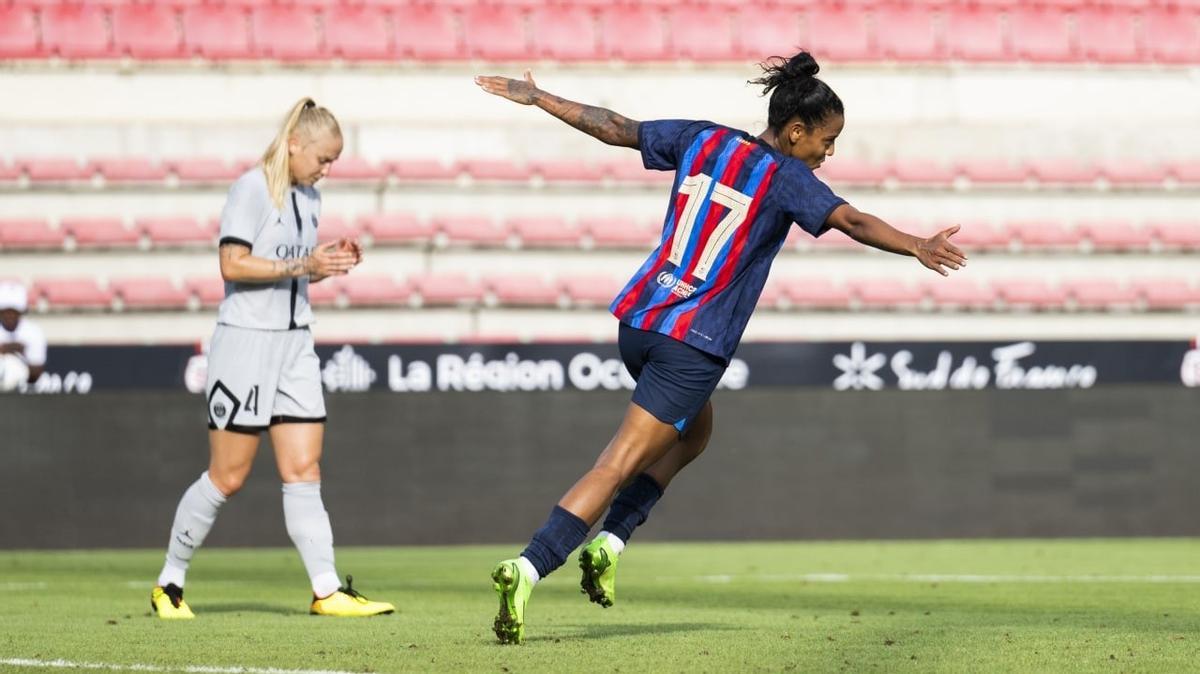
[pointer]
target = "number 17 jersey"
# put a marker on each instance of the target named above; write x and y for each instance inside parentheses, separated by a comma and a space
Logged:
(732, 203)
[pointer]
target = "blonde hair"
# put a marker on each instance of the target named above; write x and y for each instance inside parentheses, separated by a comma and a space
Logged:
(306, 118)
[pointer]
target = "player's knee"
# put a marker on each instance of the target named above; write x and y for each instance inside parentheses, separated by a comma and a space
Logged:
(301, 472)
(228, 482)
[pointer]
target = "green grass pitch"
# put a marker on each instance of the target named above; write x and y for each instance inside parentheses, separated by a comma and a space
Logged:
(947, 606)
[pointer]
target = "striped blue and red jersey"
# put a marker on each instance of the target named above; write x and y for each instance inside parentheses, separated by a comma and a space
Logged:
(732, 203)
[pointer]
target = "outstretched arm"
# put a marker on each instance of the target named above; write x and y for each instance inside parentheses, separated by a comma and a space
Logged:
(936, 252)
(600, 123)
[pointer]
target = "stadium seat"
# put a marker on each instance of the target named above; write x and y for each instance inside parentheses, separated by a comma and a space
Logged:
(1115, 235)
(850, 171)
(975, 34)
(334, 227)
(357, 169)
(10, 172)
(907, 33)
(885, 293)
(447, 289)
(1185, 172)
(1166, 294)
(168, 232)
(327, 292)
(621, 232)
(762, 31)
(1133, 173)
(701, 33)
(423, 169)
(564, 33)
(772, 296)
(467, 230)
(150, 293)
(545, 232)
(1063, 172)
(815, 293)
(1179, 235)
(285, 33)
(1026, 294)
(1100, 294)
(75, 32)
(1041, 34)
(73, 293)
(138, 170)
(495, 33)
(397, 229)
(496, 169)
(18, 33)
(209, 289)
(375, 290)
(632, 171)
(922, 172)
(1108, 35)
(993, 171)
(146, 32)
(959, 293)
(568, 170)
(357, 34)
(29, 234)
(633, 33)
(1044, 234)
(973, 235)
(216, 32)
(522, 290)
(829, 242)
(101, 232)
(204, 169)
(49, 169)
(591, 290)
(1172, 36)
(838, 34)
(427, 32)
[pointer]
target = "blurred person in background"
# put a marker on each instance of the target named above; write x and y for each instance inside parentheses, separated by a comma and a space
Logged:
(22, 344)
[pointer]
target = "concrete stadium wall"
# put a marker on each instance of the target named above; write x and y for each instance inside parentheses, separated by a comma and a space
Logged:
(107, 470)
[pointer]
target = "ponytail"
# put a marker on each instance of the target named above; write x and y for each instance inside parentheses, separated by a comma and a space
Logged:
(796, 92)
(305, 118)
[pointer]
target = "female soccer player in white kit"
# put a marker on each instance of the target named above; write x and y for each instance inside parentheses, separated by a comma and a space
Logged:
(263, 373)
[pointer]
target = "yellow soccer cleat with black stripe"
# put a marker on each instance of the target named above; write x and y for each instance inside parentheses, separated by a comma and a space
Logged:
(167, 602)
(348, 603)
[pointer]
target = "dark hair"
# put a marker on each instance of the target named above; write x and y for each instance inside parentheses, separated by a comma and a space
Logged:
(796, 91)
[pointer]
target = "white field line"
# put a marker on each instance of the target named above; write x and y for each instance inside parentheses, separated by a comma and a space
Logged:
(939, 578)
(195, 669)
(21, 587)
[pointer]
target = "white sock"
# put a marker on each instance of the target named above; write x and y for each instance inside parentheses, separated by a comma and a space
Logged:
(527, 569)
(193, 520)
(308, 525)
(615, 541)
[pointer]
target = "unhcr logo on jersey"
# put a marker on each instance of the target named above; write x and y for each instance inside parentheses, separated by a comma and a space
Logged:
(678, 288)
(667, 280)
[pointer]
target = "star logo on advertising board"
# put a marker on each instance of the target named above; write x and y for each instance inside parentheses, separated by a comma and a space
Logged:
(858, 369)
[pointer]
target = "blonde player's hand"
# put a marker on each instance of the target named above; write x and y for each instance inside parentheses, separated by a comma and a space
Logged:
(327, 260)
(353, 246)
(518, 91)
(937, 252)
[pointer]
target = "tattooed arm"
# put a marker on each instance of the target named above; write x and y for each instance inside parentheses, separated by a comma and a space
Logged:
(600, 123)
(238, 265)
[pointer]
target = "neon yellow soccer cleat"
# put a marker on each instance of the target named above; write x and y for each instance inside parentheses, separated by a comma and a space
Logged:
(348, 603)
(167, 602)
(598, 562)
(514, 590)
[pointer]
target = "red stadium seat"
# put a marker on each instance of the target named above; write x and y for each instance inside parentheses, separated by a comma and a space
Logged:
(1025, 294)
(760, 31)
(55, 170)
(204, 170)
(1104, 294)
(1133, 173)
(216, 32)
(397, 229)
(30, 235)
(101, 233)
(975, 34)
(993, 171)
(923, 172)
(545, 232)
(146, 32)
(427, 33)
(1041, 34)
(1167, 294)
(1043, 234)
(1171, 36)
(634, 33)
(334, 227)
(131, 170)
(621, 232)
(466, 230)
(357, 169)
(75, 31)
(959, 293)
(886, 293)
(495, 33)
(496, 169)
(633, 171)
(848, 171)
(10, 172)
(423, 169)
(448, 289)
(564, 33)
(150, 293)
(814, 293)
(358, 34)
(1177, 235)
(73, 293)
(568, 170)
(1063, 171)
(285, 33)
(1108, 35)
(1115, 235)
(831, 241)
(907, 33)
(522, 290)
(375, 290)
(839, 34)
(591, 290)
(772, 296)
(975, 235)
(1185, 172)
(175, 231)
(208, 289)
(327, 292)
(18, 33)
(701, 33)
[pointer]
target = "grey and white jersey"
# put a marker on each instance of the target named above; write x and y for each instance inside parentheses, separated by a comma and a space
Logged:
(251, 219)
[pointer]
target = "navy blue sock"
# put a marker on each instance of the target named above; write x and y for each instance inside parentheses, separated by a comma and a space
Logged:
(558, 537)
(632, 506)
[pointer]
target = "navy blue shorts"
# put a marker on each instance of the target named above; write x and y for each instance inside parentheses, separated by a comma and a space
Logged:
(674, 379)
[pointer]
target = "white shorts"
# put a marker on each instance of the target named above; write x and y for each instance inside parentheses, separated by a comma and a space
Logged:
(258, 378)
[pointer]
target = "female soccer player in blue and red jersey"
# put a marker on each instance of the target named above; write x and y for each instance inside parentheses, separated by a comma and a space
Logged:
(734, 198)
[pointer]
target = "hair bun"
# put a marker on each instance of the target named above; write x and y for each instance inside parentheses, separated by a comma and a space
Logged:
(778, 71)
(802, 65)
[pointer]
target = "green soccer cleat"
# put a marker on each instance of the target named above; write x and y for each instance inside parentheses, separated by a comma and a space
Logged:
(514, 589)
(599, 564)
